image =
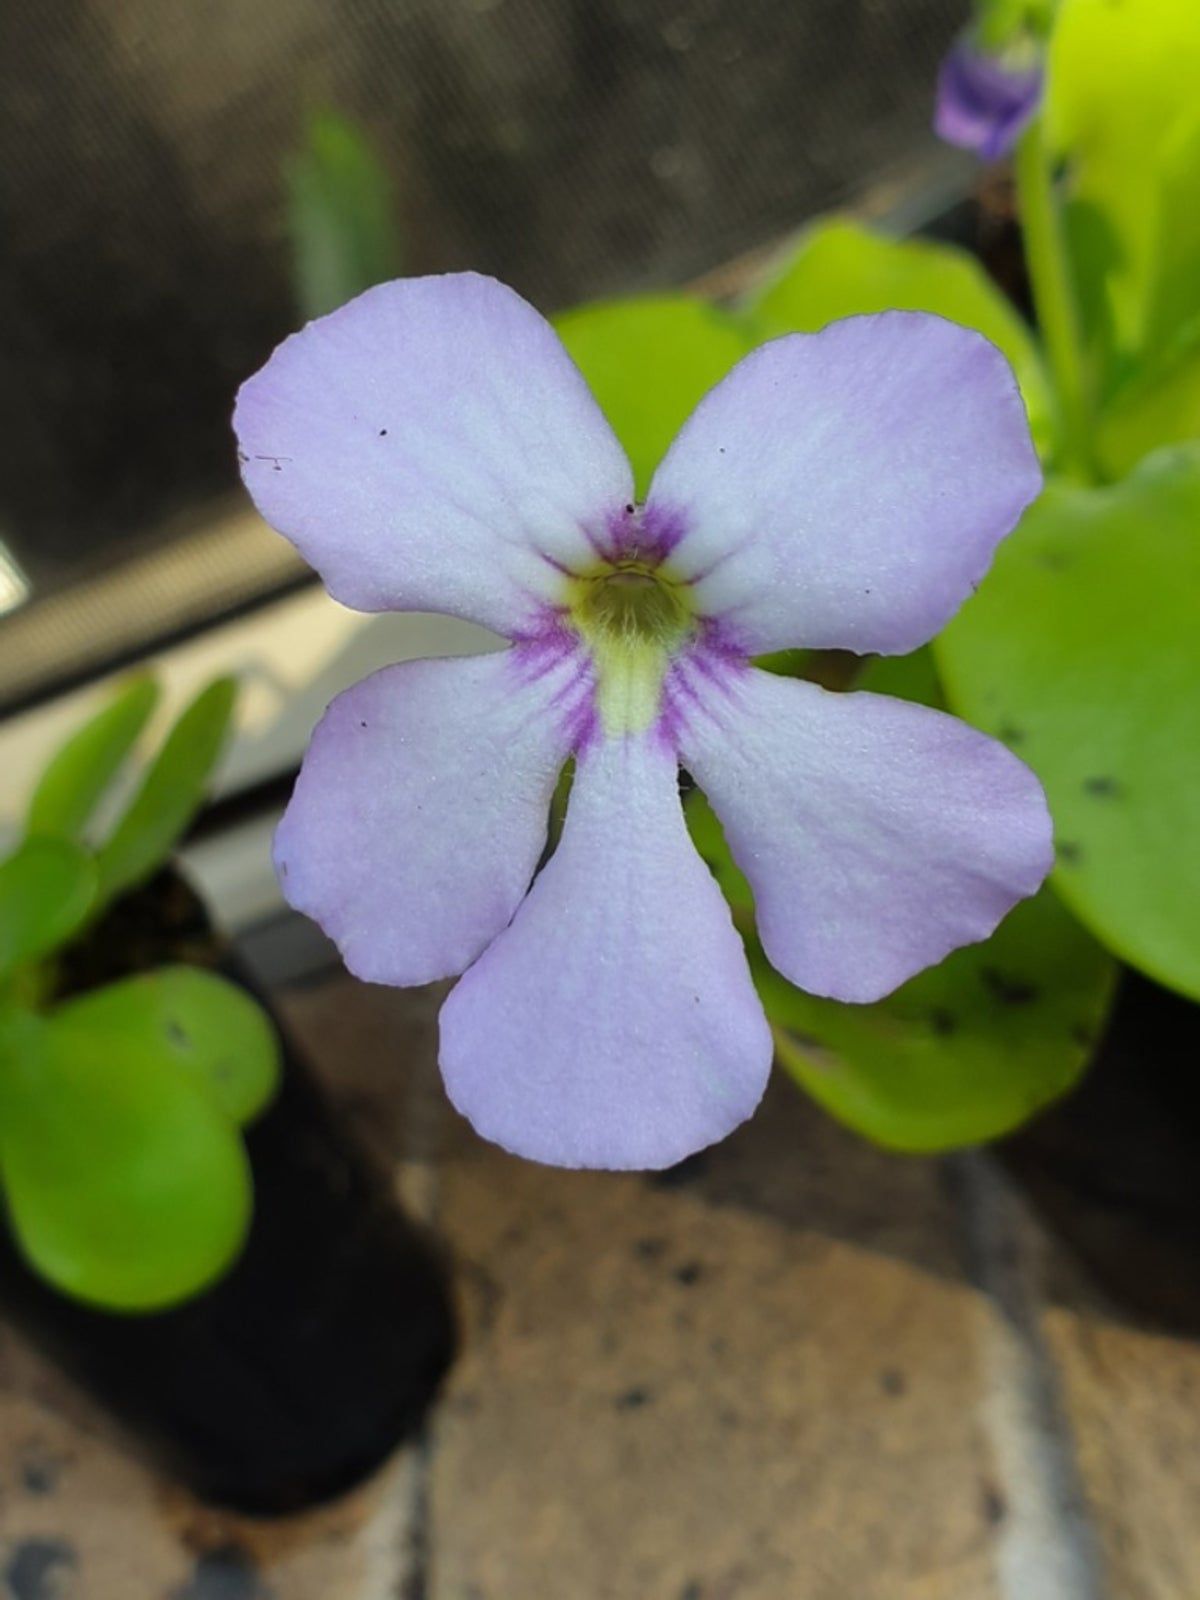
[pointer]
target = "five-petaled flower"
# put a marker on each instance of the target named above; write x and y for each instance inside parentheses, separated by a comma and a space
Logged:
(431, 446)
(985, 98)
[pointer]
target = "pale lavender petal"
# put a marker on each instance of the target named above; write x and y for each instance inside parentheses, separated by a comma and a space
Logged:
(847, 489)
(877, 835)
(431, 446)
(614, 1024)
(421, 809)
(984, 101)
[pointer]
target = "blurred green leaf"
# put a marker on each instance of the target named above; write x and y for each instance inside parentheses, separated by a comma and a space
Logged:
(1082, 648)
(961, 1053)
(170, 793)
(341, 216)
(649, 362)
(79, 773)
(47, 887)
(127, 1184)
(1121, 99)
(840, 270)
(197, 1021)
(1158, 405)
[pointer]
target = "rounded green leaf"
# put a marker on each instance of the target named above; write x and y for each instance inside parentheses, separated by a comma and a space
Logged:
(839, 269)
(649, 361)
(962, 1053)
(198, 1021)
(170, 793)
(47, 887)
(126, 1182)
(1082, 650)
(80, 772)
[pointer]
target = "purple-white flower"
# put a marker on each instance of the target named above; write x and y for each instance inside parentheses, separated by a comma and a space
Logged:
(431, 446)
(985, 98)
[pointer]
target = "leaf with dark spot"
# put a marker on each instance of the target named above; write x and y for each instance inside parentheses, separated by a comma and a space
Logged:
(1103, 788)
(1008, 990)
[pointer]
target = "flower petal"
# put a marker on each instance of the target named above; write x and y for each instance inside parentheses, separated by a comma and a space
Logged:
(431, 446)
(877, 835)
(614, 1024)
(421, 809)
(847, 489)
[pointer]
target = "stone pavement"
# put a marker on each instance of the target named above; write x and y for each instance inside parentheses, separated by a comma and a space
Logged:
(794, 1369)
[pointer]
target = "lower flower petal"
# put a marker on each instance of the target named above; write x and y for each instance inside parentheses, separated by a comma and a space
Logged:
(421, 809)
(877, 835)
(614, 1024)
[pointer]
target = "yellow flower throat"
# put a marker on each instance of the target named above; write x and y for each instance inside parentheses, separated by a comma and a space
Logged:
(633, 617)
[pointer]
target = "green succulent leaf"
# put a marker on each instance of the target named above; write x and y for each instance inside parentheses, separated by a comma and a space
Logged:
(200, 1022)
(649, 361)
(840, 269)
(961, 1053)
(341, 216)
(1121, 105)
(1082, 648)
(170, 794)
(127, 1184)
(78, 775)
(47, 887)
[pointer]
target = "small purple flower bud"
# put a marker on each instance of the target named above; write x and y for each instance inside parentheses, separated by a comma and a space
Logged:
(985, 100)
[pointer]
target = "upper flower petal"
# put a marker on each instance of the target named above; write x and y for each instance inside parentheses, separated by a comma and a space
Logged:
(877, 835)
(420, 812)
(614, 1024)
(847, 489)
(431, 446)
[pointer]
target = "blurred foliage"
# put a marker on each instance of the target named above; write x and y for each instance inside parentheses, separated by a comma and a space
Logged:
(1123, 109)
(171, 792)
(341, 216)
(121, 1161)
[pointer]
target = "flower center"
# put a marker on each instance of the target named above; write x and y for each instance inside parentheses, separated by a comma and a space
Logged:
(633, 618)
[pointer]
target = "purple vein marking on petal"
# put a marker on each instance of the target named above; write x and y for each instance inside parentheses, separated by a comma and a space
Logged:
(660, 530)
(694, 681)
(556, 648)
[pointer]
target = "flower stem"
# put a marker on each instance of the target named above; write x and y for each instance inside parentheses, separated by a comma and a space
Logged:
(1054, 299)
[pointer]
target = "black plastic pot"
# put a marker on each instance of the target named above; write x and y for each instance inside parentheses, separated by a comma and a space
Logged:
(303, 1369)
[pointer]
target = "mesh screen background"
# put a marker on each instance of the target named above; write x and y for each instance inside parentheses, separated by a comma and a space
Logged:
(573, 147)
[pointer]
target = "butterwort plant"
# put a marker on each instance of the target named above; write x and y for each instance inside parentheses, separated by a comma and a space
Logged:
(431, 446)
(122, 1169)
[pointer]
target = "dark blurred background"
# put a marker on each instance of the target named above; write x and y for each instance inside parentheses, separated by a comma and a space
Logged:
(573, 147)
